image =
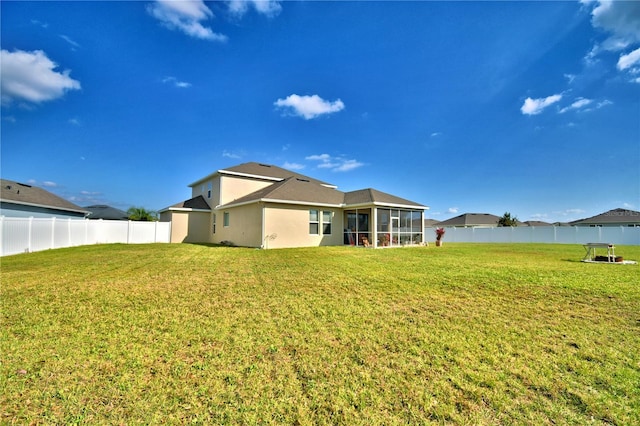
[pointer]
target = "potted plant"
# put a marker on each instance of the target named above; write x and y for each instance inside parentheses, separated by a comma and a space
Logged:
(439, 234)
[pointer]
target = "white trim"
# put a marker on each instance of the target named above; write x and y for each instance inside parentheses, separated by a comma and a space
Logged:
(183, 209)
(381, 204)
(270, 200)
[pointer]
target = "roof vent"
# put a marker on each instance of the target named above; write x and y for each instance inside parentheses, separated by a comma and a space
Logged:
(264, 165)
(302, 180)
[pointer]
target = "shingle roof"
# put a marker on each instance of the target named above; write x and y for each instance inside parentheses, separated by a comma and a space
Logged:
(371, 196)
(295, 190)
(196, 203)
(106, 213)
(262, 171)
(21, 193)
(472, 219)
(622, 216)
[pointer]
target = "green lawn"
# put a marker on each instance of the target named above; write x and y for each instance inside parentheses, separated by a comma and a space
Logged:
(465, 334)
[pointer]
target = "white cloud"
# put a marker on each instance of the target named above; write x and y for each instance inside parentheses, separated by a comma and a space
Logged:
(232, 155)
(309, 107)
(536, 106)
(74, 121)
(436, 134)
(452, 210)
(629, 60)
(49, 184)
(621, 18)
(31, 77)
(186, 16)
(269, 8)
(177, 83)
(335, 164)
(292, 166)
(70, 41)
(579, 103)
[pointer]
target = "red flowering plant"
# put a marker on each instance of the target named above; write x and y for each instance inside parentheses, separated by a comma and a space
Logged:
(439, 233)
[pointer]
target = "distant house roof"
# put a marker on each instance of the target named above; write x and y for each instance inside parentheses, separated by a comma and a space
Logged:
(611, 217)
(472, 219)
(101, 211)
(431, 222)
(262, 172)
(29, 195)
(534, 223)
(196, 203)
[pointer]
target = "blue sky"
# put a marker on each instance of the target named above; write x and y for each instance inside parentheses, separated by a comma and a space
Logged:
(487, 107)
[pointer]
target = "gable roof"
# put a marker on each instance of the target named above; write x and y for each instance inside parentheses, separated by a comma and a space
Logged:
(615, 216)
(472, 219)
(29, 195)
(106, 212)
(261, 171)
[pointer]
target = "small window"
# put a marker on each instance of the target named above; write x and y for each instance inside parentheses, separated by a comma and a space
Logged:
(314, 225)
(225, 219)
(214, 223)
(209, 190)
(326, 223)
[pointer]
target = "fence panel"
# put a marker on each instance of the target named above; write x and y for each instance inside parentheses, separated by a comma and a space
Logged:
(542, 234)
(19, 235)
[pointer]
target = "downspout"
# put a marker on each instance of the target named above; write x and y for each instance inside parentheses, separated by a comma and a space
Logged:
(262, 236)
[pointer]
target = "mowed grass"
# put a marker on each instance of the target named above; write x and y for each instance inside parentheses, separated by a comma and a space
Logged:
(464, 334)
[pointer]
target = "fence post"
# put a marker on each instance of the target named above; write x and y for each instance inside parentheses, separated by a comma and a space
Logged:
(1, 233)
(129, 225)
(29, 234)
(53, 232)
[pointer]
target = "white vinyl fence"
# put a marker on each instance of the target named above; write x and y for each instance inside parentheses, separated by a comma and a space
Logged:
(621, 235)
(27, 234)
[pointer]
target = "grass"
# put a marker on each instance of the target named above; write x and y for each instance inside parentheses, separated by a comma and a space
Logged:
(464, 334)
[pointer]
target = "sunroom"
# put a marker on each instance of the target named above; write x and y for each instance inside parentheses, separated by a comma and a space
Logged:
(376, 219)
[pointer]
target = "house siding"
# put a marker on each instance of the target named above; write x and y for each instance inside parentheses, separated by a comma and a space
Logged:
(188, 226)
(232, 188)
(244, 226)
(288, 226)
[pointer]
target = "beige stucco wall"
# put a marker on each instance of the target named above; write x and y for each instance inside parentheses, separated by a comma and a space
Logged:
(232, 188)
(202, 188)
(288, 226)
(245, 225)
(188, 227)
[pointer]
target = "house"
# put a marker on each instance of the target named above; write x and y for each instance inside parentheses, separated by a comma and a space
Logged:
(615, 217)
(534, 223)
(101, 211)
(262, 205)
(471, 220)
(22, 200)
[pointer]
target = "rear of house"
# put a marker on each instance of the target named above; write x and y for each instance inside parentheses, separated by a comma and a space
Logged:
(260, 205)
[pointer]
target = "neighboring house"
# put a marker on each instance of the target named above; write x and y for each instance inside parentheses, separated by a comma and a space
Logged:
(471, 220)
(22, 200)
(431, 223)
(261, 205)
(101, 211)
(615, 217)
(534, 223)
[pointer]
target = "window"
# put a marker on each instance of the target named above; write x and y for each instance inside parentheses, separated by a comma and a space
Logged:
(326, 223)
(225, 219)
(214, 223)
(313, 222)
(209, 190)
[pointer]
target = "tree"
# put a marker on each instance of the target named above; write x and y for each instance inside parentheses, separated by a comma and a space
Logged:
(507, 220)
(141, 214)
